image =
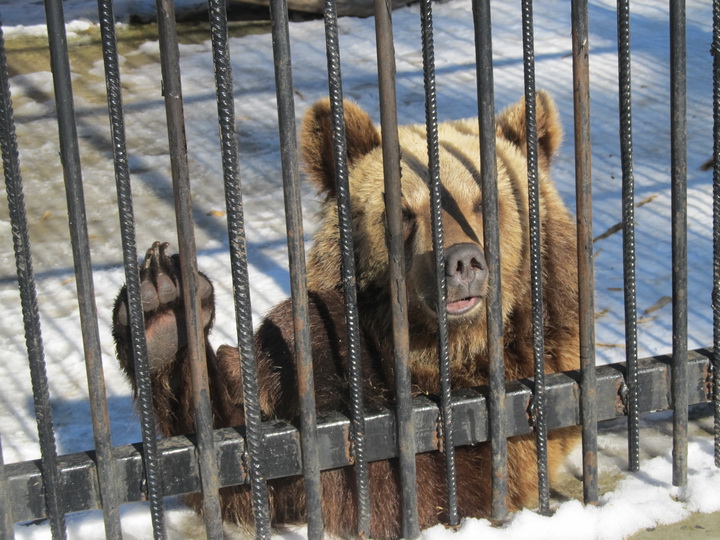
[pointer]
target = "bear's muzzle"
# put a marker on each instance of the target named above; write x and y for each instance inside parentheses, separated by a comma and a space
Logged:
(466, 277)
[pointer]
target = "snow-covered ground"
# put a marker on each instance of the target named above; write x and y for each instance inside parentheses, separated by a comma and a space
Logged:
(640, 500)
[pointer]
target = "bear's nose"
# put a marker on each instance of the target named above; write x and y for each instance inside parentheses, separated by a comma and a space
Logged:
(465, 265)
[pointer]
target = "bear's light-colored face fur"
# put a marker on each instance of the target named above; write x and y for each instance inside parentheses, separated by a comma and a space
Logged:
(462, 207)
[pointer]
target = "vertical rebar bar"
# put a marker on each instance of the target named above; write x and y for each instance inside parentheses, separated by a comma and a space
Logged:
(586, 277)
(491, 238)
(28, 299)
(431, 123)
(716, 225)
(628, 219)
(7, 529)
(83, 268)
(132, 278)
(172, 90)
(539, 419)
(357, 413)
(678, 167)
(298, 276)
(396, 252)
(238, 266)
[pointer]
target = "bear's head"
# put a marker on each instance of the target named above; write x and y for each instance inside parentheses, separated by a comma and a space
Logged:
(459, 152)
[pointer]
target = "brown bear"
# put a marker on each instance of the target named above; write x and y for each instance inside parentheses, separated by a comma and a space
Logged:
(466, 291)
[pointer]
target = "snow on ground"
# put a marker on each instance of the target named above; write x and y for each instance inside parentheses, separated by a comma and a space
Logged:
(641, 500)
(27, 17)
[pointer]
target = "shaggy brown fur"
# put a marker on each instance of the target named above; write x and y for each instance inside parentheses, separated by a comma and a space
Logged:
(467, 285)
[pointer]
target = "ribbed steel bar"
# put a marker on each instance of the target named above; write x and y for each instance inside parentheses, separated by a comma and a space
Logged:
(238, 267)
(130, 257)
(678, 169)
(586, 276)
(491, 238)
(298, 276)
(628, 216)
(539, 419)
(28, 299)
(431, 123)
(172, 90)
(396, 252)
(716, 225)
(357, 412)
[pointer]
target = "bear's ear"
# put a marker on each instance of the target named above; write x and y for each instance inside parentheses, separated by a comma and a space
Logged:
(510, 124)
(317, 143)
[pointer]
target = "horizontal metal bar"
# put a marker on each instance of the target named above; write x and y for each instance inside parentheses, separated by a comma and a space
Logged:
(282, 454)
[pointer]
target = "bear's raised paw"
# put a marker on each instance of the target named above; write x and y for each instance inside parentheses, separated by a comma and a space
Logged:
(163, 308)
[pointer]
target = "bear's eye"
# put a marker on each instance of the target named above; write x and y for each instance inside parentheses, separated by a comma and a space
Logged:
(408, 224)
(477, 208)
(408, 216)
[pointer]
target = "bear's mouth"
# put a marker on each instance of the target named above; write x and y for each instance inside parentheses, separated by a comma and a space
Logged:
(462, 306)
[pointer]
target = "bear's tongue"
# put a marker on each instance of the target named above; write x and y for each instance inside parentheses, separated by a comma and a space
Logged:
(460, 306)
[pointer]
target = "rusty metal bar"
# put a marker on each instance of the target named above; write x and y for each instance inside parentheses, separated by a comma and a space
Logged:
(172, 89)
(69, 150)
(348, 268)
(431, 123)
(298, 276)
(678, 166)
(715, 51)
(396, 252)
(586, 276)
(628, 217)
(488, 171)
(538, 405)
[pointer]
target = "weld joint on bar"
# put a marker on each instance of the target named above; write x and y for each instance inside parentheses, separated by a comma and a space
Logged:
(710, 380)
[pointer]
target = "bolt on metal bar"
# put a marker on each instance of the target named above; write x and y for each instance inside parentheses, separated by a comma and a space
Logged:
(538, 404)
(172, 90)
(132, 278)
(716, 225)
(298, 276)
(357, 413)
(586, 277)
(238, 267)
(491, 238)
(628, 216)
(28, 299)
(678, 167)
(431, 127)
(396, 253)
(6, 515)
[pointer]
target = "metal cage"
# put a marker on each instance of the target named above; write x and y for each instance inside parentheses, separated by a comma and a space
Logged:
(112, 475)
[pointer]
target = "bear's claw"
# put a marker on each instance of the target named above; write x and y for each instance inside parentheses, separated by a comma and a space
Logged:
(160, 284)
